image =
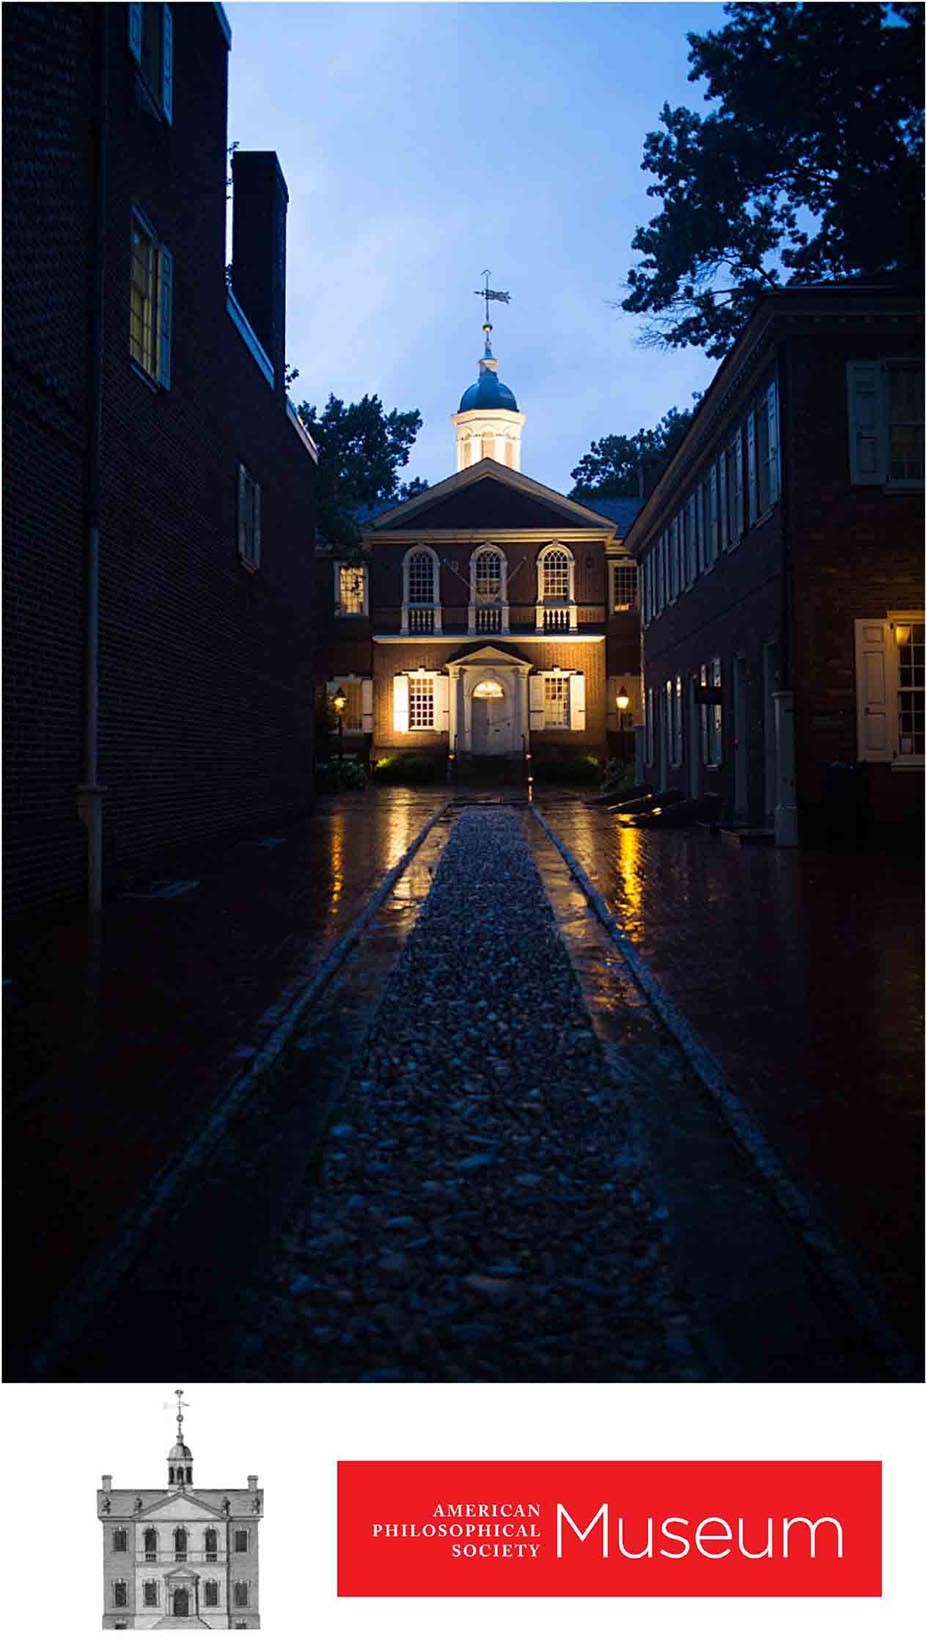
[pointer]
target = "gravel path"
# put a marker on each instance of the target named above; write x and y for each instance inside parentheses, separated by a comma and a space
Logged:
(482, 1213)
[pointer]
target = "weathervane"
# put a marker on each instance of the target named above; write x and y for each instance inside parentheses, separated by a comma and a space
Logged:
(490, 297)
(180, 1406)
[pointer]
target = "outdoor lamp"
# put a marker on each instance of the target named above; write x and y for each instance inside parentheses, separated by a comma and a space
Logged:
(340, 702)
(622, 699)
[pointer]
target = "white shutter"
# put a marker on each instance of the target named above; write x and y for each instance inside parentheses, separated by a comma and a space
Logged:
(535, 684)
(577, 703)
(400, 703)
(866, 439)
(165, 314)
(366, 705)
(737, 527)
(441, 703)
(135, 28)
(873, 694)
(167, 64)
(774, 461)
(752, 476)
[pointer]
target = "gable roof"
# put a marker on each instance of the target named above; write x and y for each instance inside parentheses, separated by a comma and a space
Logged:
(483, 495)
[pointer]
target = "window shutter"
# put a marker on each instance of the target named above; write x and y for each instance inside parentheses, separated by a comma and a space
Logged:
(535, 685)
(135, 27)
(167, 64)
(577, 703)
(752, 478)
(441, 703)
(165, 315)
(873, 698)
(400, 703)
(737, 527)
(255, 505)
(774, 467)
(866, 441)
(366, 705)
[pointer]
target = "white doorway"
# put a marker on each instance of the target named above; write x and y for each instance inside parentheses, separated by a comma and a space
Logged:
(492, 726)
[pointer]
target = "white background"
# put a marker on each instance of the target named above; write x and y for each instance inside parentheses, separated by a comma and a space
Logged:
(60, 1439)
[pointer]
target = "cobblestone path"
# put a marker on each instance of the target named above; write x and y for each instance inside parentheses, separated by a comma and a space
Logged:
(482, 1212)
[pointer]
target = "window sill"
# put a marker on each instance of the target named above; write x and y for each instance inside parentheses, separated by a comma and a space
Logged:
(250, 566)
(903, 486)
(908, 763)
(144, 376)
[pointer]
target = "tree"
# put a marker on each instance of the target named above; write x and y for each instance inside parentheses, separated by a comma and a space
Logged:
(809, 169)
(360, 450)
(611, 466)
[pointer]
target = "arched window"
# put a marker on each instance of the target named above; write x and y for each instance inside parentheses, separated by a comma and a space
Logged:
(488, 591)
(212, 1544)
(421, 592)
(151, 1544)
(180, 1541)
(555, 575)
(487, 575)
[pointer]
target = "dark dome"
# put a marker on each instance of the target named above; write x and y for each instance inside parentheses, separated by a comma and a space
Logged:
(488, 394)
(179, 1450)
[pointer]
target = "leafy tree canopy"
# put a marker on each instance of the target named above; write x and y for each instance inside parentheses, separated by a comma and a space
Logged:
(611, 466)
(360, 450)
(810, 167)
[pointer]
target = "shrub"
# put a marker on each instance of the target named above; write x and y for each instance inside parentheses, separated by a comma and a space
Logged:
(573, 769)
(618, 776)
(340, 772)
(410, 769)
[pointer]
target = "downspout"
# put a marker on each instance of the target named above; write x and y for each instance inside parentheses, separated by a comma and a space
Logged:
(90, 793)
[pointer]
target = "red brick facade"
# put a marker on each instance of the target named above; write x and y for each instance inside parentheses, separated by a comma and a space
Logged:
(205, 671)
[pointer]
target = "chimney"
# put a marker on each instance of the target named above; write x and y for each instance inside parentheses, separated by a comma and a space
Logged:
(260, 199)
(252, 1483)
(649, 471)
(107, 1483)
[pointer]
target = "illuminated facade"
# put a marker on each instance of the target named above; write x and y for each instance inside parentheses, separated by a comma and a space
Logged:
(492, 618)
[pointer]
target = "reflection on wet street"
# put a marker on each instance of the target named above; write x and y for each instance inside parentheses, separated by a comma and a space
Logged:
(117, 1043)
(801, 971)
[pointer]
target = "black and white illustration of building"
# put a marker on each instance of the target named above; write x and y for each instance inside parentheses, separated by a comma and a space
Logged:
(180, 1557)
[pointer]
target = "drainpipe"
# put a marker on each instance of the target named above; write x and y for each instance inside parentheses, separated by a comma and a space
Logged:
(90, 792)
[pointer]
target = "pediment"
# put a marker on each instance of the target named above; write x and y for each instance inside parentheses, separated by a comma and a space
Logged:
(180, 1507)
(487, 495)
(483, 655)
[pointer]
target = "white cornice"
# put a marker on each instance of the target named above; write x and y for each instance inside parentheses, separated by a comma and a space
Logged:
(494, 534)
(571, 637)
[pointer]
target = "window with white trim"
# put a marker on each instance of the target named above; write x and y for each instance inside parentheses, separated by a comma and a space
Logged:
(556, 575)
(885, 416)
(241, 1593)
(420, 578)
(248, 519)
(181, 1540)
(421, 613)
(151, 43)
(151, 1592)
(211, 1593)
(623, 585)
(910, 640)
(211, 1544)
(904, 421)
(420, 702)
(711, 715)
(120, 1539)
(890, 688)
(556, 700)
(351, 590)
(120, 1592)
(151, 280)
(242, 1540)
(487, 575)
(151, 1544)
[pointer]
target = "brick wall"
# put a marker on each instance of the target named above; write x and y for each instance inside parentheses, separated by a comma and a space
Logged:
(206, 674)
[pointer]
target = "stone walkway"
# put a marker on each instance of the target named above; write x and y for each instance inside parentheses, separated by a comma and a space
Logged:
(482, 1212)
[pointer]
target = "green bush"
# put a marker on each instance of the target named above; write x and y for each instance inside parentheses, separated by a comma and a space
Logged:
(618, 776)
(573, 769)
(340, 772)
(409, 769)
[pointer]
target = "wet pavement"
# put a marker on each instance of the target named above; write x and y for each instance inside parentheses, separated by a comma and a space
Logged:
(118, 1043)
(802, 973)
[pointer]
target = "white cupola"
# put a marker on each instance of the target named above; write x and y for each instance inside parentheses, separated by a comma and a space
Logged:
(488, 423)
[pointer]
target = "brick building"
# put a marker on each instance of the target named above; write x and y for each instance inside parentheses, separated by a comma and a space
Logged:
(489, 617)
(159, 490)
(781, 572)
(180, 1556)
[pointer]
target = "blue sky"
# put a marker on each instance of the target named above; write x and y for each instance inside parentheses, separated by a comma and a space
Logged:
(422, 143)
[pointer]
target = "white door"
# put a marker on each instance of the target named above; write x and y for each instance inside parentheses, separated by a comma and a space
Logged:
(492, 720)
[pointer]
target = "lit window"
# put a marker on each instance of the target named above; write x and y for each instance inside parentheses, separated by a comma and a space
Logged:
(211, 1593)
(488, 575)
(421, 578)
(711, 715)
(241, 1594)
(151, 1592)
(248, 519)
(120, 1539)
(911, 695)
(556, 700)
(556, 575)
(120, 1593)
(352, 591)
(420, 701)
(905, 421)
(674, 721)
(623, 586)
(143, 300)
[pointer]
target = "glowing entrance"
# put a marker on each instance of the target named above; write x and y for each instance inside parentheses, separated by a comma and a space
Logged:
(491, 722)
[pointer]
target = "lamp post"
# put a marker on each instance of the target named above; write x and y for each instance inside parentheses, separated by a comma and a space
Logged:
(622, 700)
(340, 704)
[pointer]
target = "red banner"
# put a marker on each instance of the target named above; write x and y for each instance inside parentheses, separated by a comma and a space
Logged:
(599, 1529)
